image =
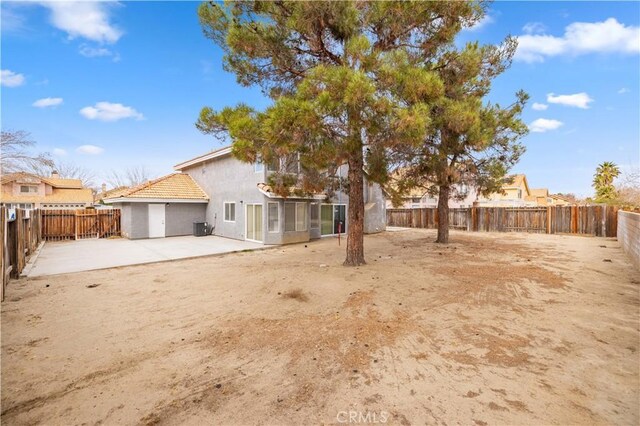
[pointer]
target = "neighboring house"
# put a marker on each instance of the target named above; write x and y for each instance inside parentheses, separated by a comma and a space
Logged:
(539, 197)
(28, 191)
(164, 207)
(243, 206)
(418, 199)
(514, 194)
(98, 200)
(559, 200)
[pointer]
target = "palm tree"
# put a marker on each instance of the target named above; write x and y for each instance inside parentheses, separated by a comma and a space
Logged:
(603, 181)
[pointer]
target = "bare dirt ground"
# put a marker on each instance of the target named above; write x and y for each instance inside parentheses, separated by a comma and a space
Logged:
(492, 329)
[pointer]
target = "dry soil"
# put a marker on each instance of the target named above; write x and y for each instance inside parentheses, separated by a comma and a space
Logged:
(491, 329)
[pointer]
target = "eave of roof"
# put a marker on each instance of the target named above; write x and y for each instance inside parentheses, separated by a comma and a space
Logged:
(169, 188)
(202, 158)
(266, 190)
(153, 200)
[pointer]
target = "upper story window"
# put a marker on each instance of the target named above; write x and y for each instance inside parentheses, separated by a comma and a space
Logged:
(28, 189)
(519, 193)
(288, 164)
(258, 167)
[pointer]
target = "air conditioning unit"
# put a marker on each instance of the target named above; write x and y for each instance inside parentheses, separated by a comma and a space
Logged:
(200, 229)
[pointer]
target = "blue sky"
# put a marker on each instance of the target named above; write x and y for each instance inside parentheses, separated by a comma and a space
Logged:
(114, 85)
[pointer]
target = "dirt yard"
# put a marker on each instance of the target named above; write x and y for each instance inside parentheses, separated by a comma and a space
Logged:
(492, 329)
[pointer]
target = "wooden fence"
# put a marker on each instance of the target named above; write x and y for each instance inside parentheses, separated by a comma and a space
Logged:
(600, 221)
(20, 238)
(60, 225)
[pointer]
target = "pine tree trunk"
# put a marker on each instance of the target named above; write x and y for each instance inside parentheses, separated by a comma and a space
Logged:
(443, 215)
(355, 212)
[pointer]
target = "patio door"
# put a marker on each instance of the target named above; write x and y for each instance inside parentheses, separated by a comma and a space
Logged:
(333, 219)
(254, 222)
(156, 221)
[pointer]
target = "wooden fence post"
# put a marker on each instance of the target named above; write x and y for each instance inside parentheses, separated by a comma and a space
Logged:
(3, 256)
(549, 219)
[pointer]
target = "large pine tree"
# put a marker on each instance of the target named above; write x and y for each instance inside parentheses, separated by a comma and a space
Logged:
(470, 145)
(329, 68)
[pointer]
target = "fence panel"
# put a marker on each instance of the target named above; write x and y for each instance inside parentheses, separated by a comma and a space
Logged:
(458, 218)
(597, 220)
(20, 238)
(60, 225)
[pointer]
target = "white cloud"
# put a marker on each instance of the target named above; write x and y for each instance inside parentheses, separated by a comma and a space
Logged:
(90, 149)
(580, 38)
(47, 102)
(486, 20)
(92, 52)
(86, 19)
(542, 125)
(59, 152)
(578, 100)
(12, 21)
(11, 79)
(534, 28)
(623, 91)
(107, 111)
(539, 107)
(95, 52)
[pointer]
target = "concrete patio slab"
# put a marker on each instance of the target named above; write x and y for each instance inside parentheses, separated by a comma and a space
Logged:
(62, 257)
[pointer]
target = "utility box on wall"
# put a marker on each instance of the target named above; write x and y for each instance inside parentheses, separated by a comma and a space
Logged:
(200, 229)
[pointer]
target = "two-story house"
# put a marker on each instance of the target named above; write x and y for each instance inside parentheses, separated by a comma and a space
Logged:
(240, 204)
(28, 191)
(516, 193)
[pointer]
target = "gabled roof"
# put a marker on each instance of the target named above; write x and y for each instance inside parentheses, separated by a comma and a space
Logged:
(61, 195)
(562, 198)
(115, 192)
(64, 183)
(55, 182)
(202, 158)
(176, 186)
(517, 182)
(539, 192)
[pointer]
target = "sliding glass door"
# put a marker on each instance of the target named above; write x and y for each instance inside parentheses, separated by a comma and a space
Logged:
(254, 222)
(333, 219)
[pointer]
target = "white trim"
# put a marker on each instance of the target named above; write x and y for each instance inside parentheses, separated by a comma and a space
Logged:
(306, 216)
(273, 196)
(333, 218)
(201, 159)
(246, 222)
(295, 216)
(277, 215)
(224, 211)
(152, 200)
(317, 205)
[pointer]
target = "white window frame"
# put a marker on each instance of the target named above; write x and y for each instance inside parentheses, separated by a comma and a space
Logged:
(306, 217)
(285, 216)
(277, 230)
(315, 206)
(295, 217)
(224, 211)
(29, 189)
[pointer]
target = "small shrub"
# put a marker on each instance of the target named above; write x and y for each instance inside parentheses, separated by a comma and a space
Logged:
(296, 294)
